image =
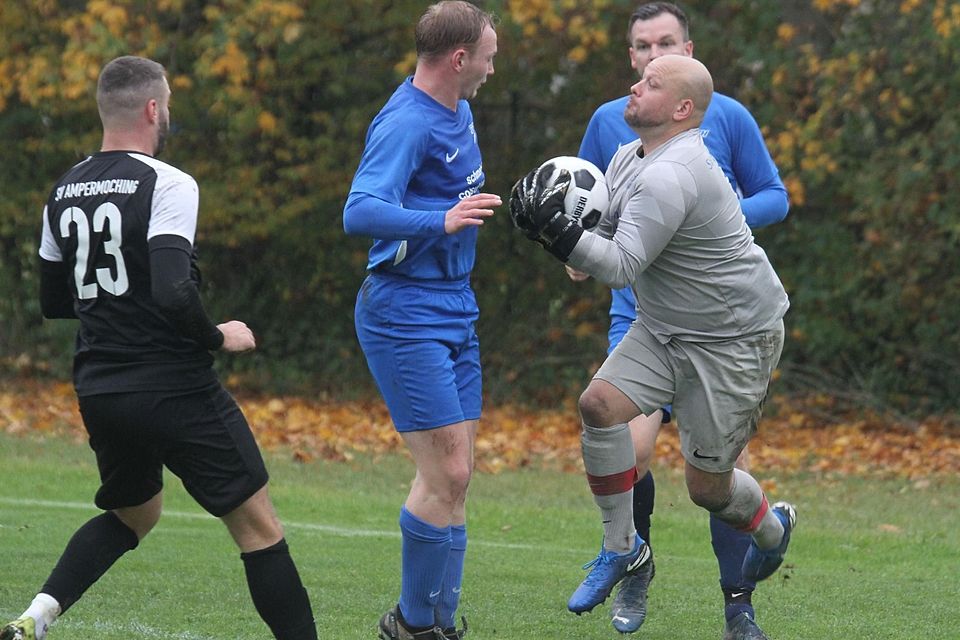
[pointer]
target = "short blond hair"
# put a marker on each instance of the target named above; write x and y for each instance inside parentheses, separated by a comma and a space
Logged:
(450, 24)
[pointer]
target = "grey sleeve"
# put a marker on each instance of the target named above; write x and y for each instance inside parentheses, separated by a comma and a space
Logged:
(648, 221)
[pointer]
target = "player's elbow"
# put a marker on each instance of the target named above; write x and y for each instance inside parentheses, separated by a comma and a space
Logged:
(613, 280)
(783, 208)
(781, 205)
(172, 297)
(770, 209)
(353, 215)
(349, 224)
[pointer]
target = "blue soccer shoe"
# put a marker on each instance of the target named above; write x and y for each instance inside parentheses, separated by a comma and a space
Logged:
(759, 565)
(606, 570)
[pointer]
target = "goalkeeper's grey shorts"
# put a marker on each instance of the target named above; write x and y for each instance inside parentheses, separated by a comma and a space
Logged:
(717, 388)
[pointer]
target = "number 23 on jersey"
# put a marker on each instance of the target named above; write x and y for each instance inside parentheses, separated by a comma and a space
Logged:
(107, 216)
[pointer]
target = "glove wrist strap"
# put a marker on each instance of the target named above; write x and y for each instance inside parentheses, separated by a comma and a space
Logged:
(560, 235)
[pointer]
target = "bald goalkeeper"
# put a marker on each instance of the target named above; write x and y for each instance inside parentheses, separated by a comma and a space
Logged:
(709, 330)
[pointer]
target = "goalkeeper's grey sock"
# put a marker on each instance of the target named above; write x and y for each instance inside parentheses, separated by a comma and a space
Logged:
(611, 465)
(747, 510)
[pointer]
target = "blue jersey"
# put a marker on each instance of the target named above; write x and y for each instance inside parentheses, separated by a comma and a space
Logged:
(420, 160)
(732, 137)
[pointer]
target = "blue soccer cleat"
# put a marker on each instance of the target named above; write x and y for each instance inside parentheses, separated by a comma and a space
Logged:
(759, 565)
(606, 570)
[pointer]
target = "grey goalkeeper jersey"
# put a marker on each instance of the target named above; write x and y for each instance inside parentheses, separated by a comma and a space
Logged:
(676, 235)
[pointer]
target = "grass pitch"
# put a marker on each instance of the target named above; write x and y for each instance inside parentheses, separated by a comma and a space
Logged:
(870, 559)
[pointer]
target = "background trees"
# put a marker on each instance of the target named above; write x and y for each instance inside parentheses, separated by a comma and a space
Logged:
(859, 102)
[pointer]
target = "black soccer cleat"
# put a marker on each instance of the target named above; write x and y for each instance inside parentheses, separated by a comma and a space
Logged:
(743, 627)
(452, 633)
(392, 629)
(629, 608)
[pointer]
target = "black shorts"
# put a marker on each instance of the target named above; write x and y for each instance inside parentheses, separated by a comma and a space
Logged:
(201, 436)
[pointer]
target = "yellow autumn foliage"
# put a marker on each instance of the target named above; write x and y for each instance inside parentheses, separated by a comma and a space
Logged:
(272, 100)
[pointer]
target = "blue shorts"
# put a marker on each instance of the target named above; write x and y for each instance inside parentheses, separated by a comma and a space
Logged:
(618, 328)
(421, 346)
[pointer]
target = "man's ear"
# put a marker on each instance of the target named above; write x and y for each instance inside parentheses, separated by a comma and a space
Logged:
(684, 109)
(152, 110)
(457, 59)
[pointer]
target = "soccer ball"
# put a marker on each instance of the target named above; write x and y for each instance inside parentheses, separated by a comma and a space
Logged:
(587, 196)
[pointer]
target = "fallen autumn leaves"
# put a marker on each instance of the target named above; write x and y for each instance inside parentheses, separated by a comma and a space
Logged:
(791, 437)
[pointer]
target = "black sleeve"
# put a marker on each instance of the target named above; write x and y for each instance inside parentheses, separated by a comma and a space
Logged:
(175, 291)
(56, 300)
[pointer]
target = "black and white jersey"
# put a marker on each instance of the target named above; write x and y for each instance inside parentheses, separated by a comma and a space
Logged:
(97, 222)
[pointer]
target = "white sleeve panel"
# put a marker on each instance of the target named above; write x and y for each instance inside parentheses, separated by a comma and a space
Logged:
(176, 202)
(49, 249)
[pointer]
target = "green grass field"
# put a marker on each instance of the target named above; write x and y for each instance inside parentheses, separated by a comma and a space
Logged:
(870, 559)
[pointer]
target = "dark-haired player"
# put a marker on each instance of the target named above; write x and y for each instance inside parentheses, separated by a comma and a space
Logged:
(117, 252)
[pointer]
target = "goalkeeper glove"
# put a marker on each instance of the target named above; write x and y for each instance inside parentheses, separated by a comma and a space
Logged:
(536, 208)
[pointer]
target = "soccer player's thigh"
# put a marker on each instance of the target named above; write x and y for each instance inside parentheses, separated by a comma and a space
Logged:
(721, 387)
(125, 439)
(209, 446)
(639, 367)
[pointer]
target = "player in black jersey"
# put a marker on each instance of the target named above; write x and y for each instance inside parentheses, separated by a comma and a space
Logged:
(117, 252)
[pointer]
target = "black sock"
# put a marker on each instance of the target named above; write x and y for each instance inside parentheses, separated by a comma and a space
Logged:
(737, 601)
(644, 492)
(91, 551)
(278, 593)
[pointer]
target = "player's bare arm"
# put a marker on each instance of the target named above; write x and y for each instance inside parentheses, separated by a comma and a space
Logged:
(471, 212)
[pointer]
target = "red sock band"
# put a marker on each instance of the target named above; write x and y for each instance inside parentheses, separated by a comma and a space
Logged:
(762, 511)
(614, 483)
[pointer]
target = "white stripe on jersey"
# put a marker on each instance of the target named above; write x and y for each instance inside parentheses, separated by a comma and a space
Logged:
(176, 200)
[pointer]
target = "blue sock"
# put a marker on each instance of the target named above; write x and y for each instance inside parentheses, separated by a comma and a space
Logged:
(730, 546)
(423, 561)
(453, 578)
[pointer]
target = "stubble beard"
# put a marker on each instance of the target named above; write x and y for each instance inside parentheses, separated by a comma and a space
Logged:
(632, 118)
(163, 129)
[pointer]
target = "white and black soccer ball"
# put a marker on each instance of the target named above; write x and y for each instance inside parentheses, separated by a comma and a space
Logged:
(588, 196)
